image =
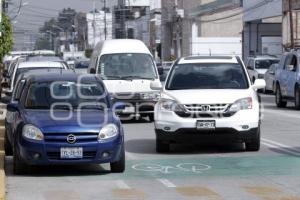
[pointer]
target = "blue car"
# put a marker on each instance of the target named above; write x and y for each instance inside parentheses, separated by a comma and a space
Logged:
(63, 118)
(287, 79)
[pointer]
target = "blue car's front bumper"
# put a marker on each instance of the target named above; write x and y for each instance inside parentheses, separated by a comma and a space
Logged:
(50, 152)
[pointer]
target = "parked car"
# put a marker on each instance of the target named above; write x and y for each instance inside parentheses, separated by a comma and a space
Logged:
(81, 66)
(270, 79)
(258, 66)
(166, 66)
(208, 99)
(22, 67)
(54, 118)
(127, 73)
(287, 77)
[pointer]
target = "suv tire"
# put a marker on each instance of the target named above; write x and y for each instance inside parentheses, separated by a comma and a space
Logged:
(254, 144)
(119, 166)
(279, 102)
(162, 147)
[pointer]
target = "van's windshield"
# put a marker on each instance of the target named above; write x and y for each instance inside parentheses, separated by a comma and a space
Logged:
(127, 66)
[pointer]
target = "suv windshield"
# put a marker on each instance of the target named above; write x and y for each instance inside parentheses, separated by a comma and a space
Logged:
(207, 76)
(66, 95)
(127, 66)
(265, 64)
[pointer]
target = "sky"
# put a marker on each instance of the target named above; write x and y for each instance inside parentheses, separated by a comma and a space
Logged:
(35, 12)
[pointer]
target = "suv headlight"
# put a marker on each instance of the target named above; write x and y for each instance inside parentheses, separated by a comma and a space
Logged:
(171, 105)
(32, 132)
(108, 131)
(150, 96)
(241, 104)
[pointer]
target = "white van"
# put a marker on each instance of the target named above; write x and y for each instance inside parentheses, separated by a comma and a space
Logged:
(127, 69)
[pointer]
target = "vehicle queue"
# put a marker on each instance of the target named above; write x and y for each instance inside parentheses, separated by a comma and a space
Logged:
(58, 116)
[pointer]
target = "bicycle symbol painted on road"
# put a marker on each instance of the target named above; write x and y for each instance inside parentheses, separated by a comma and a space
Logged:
(196, 168)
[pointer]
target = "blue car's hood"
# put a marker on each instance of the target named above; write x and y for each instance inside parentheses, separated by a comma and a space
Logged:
(83, 121)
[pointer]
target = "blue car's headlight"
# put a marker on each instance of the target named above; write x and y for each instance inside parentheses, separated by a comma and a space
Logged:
(31, 132)
(108, 131)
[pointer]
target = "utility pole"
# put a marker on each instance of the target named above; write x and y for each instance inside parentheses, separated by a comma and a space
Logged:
(105, 23)
(291, 25)
(94, 22)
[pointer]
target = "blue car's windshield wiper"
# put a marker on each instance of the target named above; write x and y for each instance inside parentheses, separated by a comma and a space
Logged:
(91, 107)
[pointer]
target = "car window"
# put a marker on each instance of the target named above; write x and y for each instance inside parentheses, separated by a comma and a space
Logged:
(250, 64)
(288, 60)
(19, 89)
(265, 64)
(207, 76)
(43, 95)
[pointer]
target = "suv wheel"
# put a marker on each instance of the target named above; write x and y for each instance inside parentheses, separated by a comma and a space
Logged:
(279, 102)
(254, 144)
(119, 166)
(162, 147)
(7, 146)
(297, 98)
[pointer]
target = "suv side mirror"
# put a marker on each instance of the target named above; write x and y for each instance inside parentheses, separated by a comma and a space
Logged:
(259, 84)
(92, 71)
(154, 85)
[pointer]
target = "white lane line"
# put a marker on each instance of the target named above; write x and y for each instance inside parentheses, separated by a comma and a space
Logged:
(122, 185)
(280, 149)
(290, 148)
(167, 183)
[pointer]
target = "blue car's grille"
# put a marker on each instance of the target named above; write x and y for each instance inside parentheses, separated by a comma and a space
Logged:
(62, 137)
(86, 155)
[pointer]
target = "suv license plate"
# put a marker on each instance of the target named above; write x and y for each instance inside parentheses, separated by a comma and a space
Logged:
(206, 125)
(71, 153)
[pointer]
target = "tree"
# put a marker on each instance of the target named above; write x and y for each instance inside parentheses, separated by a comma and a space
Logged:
(6, 40)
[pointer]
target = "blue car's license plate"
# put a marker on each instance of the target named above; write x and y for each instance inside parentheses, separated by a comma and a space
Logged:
(71, 153)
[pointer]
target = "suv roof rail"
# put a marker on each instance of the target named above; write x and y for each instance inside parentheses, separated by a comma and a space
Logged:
(208, 57)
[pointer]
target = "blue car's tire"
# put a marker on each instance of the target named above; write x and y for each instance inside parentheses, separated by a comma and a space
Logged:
(119, 166)
(7, 146)
(19, 167)
(297, 98)
(278, 96)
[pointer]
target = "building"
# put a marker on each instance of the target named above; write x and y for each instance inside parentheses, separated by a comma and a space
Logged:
(132, 20)
(262, 32)
(192, 27)
(291, 10)
(99, 27)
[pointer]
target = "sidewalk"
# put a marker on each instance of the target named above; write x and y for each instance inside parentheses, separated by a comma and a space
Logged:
(2, 153)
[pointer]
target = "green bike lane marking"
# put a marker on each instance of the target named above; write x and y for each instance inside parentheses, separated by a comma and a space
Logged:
(220, 166)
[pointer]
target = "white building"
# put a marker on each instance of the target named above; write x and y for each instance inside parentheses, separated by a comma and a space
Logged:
(96, 27)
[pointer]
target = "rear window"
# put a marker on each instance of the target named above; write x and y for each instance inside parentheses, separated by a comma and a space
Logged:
(207, 76)
(265, 64)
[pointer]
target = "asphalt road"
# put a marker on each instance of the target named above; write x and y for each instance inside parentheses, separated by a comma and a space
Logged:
(188, 172)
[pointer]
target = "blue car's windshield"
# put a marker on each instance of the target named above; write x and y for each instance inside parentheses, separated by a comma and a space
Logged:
(66, 95)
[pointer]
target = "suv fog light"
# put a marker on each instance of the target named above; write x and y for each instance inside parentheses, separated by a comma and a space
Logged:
(245, 127)
(167, 128)
(105, 155)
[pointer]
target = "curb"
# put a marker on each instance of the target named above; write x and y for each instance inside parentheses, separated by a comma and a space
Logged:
(2, 153)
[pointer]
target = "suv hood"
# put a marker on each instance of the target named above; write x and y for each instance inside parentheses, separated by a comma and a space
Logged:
(128, 86)
(207, 96)
(92, 120)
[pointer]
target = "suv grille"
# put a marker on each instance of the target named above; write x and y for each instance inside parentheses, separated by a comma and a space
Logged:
(204, 111)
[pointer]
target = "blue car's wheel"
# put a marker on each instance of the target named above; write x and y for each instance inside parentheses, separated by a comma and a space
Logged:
(19, 166)
(119, 166)
(7, 146)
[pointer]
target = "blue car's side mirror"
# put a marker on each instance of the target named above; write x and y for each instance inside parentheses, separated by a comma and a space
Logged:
(12, 107)
(119, 106)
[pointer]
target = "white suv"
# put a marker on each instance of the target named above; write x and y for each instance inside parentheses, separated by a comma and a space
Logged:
(208, 99)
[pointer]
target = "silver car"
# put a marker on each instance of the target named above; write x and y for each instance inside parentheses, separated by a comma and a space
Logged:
(270, 78)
